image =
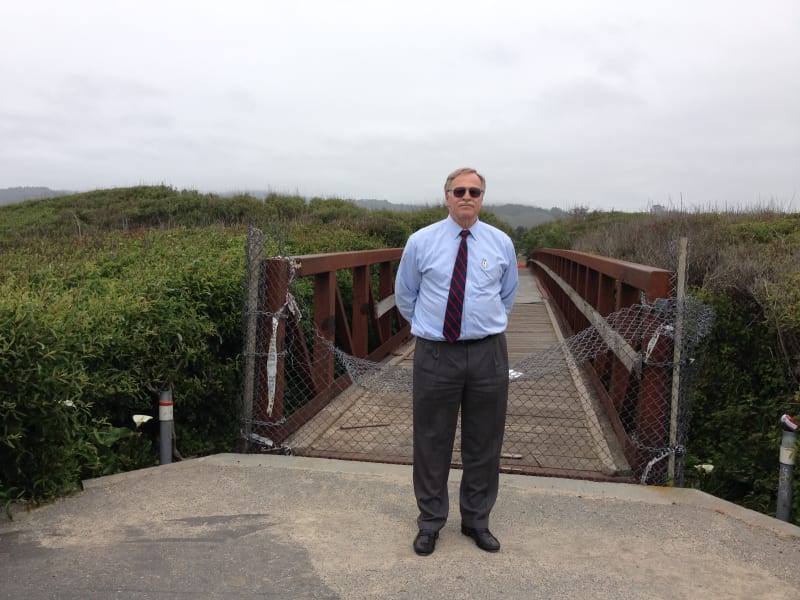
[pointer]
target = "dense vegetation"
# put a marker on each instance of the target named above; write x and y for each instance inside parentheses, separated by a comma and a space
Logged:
(747, 266)
(109, 296)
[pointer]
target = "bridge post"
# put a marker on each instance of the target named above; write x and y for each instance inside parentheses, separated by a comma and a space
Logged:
(360, 326)
(269, 405)
(385, 288)
(324, 317)
(653, 403)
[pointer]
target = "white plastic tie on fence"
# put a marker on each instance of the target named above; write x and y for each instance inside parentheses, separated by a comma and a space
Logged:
(651, 345)
(291, 304)
(272, 354)
(272, 363)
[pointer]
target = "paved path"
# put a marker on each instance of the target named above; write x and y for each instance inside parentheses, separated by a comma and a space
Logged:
(248, 526)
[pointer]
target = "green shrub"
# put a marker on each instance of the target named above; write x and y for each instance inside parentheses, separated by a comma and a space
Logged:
(285, 208)
(99, 312)
(51, 438)
(91, 331)
(330, 210)
(741, 395)
(385, 226)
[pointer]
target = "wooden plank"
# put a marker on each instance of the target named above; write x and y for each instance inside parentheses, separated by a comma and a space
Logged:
(384, 306)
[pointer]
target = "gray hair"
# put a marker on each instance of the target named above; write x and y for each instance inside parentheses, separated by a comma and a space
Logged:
(463, 171)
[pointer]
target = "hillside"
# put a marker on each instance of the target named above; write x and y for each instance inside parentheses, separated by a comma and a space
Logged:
(13, 195)
(518, 215)
(131, 208)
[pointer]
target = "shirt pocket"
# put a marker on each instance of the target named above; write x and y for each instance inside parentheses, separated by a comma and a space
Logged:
(491, 273)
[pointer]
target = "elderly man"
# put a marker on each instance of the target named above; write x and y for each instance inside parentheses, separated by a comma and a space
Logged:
(456, 284)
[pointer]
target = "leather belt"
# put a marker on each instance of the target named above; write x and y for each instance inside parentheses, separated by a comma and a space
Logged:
(475, 341)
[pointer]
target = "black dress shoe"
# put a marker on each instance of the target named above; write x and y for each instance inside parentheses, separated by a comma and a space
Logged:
(425, 542)
(483, 537)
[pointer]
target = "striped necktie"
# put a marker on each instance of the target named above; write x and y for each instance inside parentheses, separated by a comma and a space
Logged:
(455, 301)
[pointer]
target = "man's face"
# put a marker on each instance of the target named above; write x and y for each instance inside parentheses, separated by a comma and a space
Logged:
(464, 210)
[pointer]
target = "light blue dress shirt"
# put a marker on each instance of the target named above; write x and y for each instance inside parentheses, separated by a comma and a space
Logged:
(423, 279)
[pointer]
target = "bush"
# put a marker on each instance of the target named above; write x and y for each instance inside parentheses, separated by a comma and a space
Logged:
(741, 395)
(385, 226)
(109, 296)
(92, 331)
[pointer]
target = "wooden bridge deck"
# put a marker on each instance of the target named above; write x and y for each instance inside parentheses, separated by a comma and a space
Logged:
(554, 429)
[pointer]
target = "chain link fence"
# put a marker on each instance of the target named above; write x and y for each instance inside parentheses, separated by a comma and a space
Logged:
(612, 402)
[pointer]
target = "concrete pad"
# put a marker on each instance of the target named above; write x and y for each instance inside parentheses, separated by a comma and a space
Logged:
(261, 526)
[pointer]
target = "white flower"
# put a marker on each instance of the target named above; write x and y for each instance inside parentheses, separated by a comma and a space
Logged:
(140, 419)
(705, 468)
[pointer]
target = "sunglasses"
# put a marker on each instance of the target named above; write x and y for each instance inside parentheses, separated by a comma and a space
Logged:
(474, 192)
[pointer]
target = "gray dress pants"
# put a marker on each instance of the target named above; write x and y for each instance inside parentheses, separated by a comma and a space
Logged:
(471, 376)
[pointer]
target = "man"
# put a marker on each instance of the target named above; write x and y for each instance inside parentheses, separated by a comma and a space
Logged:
(456, 284)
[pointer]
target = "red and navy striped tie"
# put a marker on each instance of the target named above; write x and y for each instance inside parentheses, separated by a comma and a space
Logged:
(455, 301)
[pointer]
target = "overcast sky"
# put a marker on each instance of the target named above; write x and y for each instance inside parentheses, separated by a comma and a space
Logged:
(608, 105)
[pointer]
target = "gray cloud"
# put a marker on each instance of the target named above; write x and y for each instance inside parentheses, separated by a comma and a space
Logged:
(560, 104)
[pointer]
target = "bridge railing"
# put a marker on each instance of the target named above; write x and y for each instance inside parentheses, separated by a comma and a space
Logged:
(352, 294)
(585, 289)
(296, 364)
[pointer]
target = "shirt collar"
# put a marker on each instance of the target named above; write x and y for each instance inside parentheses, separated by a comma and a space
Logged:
(454, 229)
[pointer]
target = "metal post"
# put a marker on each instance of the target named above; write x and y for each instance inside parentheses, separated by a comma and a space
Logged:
(255, 244)
(787, 453)
(680, 295)
(166, 422)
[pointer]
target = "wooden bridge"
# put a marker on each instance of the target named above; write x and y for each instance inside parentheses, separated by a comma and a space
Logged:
(601, 418)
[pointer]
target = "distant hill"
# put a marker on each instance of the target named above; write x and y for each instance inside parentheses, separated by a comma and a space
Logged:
(386, 205)
(519, 215)
(516, 215)
(20, 194)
